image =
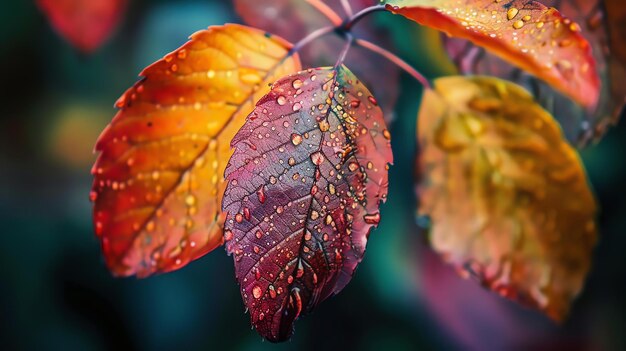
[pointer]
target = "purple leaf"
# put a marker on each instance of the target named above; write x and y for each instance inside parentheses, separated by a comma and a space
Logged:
(305, 183)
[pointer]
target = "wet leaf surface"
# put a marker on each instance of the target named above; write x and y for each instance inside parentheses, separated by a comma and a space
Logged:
(86, 24)
(526, 33)
(294, 19)
(580, 125)
(305, 183)
(507, 197)
(159, 176)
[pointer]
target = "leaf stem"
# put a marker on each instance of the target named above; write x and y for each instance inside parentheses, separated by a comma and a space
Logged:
(342, 57)
(309, 38)
(354, 19)
(346, 7)
(394, 59)
(343, 28)
(319, 5)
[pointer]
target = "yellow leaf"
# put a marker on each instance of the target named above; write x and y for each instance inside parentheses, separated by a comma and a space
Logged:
(159, 178)
(508, 198)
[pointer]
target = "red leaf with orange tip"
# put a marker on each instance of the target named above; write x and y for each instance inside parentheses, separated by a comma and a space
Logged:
(159, 177)
(305, 183)
(86, 24)
(526, 33)
(580, 124)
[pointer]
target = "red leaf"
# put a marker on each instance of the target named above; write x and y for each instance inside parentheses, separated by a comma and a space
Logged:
(305, 184)
(579, 124)
(524, 32)
(86, 24)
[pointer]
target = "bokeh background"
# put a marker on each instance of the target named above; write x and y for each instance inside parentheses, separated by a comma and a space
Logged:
(56, 294)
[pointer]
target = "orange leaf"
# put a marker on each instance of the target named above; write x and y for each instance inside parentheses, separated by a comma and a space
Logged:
(86, 24)
(507, 196)
(597, 25)
(526, 33)
(159, 178)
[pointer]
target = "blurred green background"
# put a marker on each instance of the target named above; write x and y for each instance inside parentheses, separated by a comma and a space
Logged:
(56, 294)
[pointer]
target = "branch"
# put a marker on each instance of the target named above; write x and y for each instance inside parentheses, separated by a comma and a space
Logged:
(326, 11)
(309, 38)
(346, 7)
(346, 48)
(354, 19)
(394, 59)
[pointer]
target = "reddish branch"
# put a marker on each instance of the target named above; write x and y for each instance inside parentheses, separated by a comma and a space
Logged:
(344, 27)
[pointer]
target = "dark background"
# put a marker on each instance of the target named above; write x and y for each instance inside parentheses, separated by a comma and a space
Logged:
(55, 292)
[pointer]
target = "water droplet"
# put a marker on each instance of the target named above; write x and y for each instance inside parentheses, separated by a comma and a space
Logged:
(296, 139)
(272, 291)
(372, 100)
(386, 134)
(297, 106)
(511, 13)
(331, 189)
(373, 218)
(317, 158)
(261, 194)
(324, 126)
(281, 100)
(93, 196)
(238, 218)
(257, 292)
(190, 200)
(297, 84)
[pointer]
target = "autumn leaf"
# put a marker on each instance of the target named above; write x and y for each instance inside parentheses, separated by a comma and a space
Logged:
(580, 124)
(305, 183)
(159, 177)
(294, 19)
(86, 24)
(526, 33)
(508, 198)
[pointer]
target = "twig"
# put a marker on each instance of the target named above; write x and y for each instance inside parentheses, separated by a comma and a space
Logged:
(346, 48)
(309, 38)
(394, 59)
(346, 7)
(354, 19)
(334, 18)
